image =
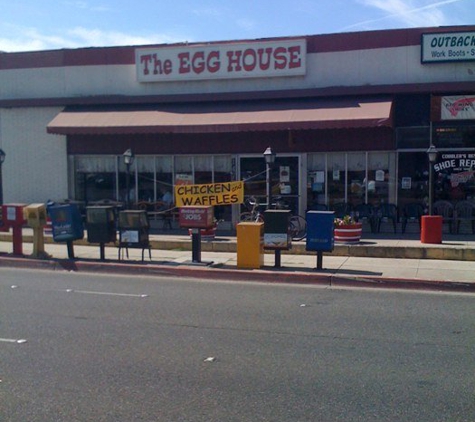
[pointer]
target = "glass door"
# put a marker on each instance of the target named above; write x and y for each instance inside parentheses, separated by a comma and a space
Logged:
(284, 181)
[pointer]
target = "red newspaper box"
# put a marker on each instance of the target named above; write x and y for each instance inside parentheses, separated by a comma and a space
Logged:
(196, 218)
(200, 217)
(13, 217)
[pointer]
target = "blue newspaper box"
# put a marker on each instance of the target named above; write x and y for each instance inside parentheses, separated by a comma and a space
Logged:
(320, 236)
(66, 222)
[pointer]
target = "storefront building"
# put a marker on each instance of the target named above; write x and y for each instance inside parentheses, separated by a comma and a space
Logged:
(350, 117)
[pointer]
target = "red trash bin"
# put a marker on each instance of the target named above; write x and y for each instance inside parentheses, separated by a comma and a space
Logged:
(431, 229)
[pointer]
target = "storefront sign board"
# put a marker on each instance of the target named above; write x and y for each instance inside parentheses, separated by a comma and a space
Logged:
(221, 61)
(458, 166)
(460, 107)
(227, 193)
(448, 47)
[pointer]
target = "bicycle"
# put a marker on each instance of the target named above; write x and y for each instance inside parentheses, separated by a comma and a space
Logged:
(254, 215)
(297, 224)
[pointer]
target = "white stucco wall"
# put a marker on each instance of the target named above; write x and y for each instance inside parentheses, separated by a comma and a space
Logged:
(35, 168)
(400, 65)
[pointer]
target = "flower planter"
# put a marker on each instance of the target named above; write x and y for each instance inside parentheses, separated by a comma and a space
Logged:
(206, 234)
(348, 233)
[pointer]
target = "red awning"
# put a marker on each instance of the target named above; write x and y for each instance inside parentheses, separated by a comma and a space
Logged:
(226, 117)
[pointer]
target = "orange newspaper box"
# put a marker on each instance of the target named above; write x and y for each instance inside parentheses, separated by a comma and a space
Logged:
(250, 245)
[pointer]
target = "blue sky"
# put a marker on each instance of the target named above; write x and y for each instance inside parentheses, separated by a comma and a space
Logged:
(29, 25)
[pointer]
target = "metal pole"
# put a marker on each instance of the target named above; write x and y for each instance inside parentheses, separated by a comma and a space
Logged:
(127, 186)
(277, 261)
(319, 260)
(431, 176)
(268, 186)
(196, 245)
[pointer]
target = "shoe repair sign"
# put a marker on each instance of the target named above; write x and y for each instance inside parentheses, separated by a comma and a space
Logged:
(227, 193)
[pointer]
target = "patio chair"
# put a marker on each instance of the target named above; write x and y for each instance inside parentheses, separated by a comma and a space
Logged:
(464, 212)
(341, 209)
(365, 213)
(446, 210)
(412, 213)
(386, 212)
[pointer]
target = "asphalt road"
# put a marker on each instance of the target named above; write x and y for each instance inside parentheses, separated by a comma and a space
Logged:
(111, 348)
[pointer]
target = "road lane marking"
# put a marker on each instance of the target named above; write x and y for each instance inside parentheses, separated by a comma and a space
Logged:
(89, 292)
(12, 340)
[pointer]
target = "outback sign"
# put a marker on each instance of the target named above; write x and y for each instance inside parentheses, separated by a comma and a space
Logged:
(448, 47)
(221, 61)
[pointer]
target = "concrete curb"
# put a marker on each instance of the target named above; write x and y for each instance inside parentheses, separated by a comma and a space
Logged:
(269, 275)
(366, 248)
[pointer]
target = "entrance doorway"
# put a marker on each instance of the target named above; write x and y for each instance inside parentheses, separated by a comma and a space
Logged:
(285, 180)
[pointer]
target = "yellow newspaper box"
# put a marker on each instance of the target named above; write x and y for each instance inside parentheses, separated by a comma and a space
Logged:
(35, 215)
(250, 245)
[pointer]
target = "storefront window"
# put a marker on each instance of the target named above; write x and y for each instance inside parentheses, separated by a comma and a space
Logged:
(284, 180)
(356, 179)
(454, 176)
(145, 179)
(253, 173)
(203, 166)
(353, 178)
(381, 178)
(95, 178)
(413, 179)
(163, 177)
(223, 173)
(448, 135)
(122, 177)
(316, 181)
(184, 170)
(336, 176)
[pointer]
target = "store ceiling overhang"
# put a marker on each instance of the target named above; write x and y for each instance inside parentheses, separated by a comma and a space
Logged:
(225, 117)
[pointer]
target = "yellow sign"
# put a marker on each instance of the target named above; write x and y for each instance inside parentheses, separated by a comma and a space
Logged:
(227, 193)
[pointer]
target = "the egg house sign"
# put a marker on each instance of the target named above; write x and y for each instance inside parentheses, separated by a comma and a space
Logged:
(222, 61)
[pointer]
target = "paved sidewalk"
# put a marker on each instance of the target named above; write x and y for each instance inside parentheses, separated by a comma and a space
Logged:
(338, 269)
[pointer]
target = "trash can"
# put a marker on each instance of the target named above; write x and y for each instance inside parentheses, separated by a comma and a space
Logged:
(431, 229)
(250, 245)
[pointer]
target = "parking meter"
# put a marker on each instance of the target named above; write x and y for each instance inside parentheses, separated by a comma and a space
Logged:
(13, 218)
(66, 222)
(35, 216)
